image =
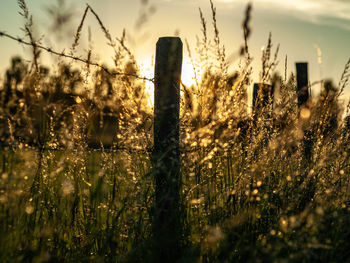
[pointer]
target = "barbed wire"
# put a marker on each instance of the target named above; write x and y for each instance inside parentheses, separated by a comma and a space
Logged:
(104, 148)
(79, 59)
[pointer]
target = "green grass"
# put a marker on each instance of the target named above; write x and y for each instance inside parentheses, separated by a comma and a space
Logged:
(97, 206)
(73, 206)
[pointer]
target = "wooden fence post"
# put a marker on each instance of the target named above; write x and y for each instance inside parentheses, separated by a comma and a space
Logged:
(302, 83)
(166, 153)
(303, 97)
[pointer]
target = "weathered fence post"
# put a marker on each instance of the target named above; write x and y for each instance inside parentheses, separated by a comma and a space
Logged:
(302, 83)
(303, 97)
(166, 153)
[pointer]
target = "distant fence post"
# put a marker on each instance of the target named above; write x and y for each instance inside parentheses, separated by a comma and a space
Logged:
(166, 153)
(303, 97)
(302, 83)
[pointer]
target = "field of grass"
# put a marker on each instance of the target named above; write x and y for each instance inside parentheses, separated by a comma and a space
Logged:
(76, 172)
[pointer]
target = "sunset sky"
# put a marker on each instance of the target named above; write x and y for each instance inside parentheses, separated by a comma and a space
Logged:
(299, 26)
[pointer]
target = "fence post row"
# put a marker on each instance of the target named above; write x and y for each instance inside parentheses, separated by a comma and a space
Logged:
(263, 92)
(263, 95)
(166, 153)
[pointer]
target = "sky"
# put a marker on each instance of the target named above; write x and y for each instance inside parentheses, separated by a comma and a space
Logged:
(305, 29)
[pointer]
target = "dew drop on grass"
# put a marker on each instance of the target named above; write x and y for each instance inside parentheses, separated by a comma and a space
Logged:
(78, 100)
(67, 187)
(305, 113)
(319, 210)
(4, 176)
(3, 199)
(29, 209)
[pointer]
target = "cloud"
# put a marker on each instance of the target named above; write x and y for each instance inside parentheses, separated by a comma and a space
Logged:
(321, 12)
(339, 9)
(315, 11)
(330, 8)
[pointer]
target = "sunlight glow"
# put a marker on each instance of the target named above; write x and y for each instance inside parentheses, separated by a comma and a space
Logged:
(147, 70)
(189, 76)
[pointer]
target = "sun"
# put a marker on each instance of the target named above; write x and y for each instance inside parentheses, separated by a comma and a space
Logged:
(190, 75)
(146, 67)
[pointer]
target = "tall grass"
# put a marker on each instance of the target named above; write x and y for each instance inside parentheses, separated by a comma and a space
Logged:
(270, 185)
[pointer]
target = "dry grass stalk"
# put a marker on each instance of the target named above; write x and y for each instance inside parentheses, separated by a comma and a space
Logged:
(220, 51)
(267, 65)
(28, 29)
(104, 29)
(344, 79)
(246, 30)
(80, 27)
